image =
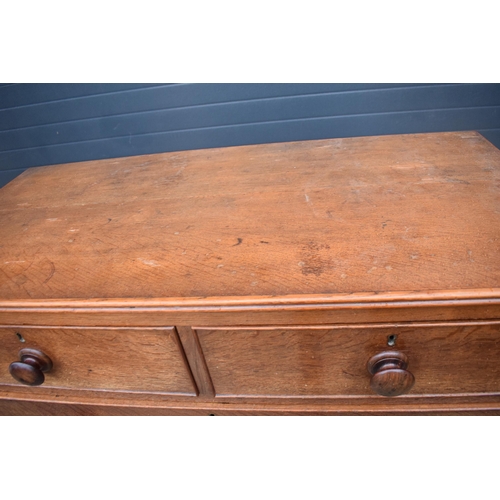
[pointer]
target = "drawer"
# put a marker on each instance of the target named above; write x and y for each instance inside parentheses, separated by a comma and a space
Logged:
(121, 359)
(329, 362)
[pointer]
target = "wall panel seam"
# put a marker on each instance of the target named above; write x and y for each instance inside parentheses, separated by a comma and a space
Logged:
(220, 103)
(237, 124)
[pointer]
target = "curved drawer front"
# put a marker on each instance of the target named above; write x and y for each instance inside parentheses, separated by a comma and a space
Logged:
(122, 359)
(301, 362)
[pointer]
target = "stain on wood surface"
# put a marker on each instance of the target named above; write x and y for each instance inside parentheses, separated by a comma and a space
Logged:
(392, 213)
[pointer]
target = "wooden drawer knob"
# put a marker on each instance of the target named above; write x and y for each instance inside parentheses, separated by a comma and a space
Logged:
(389, 374)
(30, 370)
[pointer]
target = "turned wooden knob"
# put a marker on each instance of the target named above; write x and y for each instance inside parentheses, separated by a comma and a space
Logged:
(30, 370)
(389, 374)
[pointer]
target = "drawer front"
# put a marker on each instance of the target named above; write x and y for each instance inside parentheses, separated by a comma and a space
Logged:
(301, 362)
(146, 360)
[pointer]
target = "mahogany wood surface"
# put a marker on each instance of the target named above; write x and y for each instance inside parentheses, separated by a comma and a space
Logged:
(257, 280)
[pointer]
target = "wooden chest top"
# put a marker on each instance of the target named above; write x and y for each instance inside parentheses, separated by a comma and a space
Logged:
(407, 213)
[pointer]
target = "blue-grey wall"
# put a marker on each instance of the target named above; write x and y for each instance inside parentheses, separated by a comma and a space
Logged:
(60, 123)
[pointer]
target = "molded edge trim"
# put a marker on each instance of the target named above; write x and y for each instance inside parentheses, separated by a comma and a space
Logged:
(484, 296)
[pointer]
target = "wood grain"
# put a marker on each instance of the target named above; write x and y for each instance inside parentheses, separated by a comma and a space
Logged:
(284, 268)
(191, 345)
(30, 408)
(317, 363)
(371, 214)
(127, 359)
(214, 312)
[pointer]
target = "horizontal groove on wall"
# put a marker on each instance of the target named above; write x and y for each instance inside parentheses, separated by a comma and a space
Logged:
(256, 133)
(149, 99)
(38, 94)
(259, 111)
(486, 112)
(287, 100)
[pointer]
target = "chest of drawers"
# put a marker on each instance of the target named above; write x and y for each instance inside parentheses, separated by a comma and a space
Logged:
(344, 276)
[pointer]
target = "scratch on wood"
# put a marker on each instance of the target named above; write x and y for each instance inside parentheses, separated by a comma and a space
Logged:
(51, 273)
(151, 263)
